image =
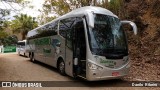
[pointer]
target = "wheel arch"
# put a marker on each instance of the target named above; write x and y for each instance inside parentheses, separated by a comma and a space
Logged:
(58, 61)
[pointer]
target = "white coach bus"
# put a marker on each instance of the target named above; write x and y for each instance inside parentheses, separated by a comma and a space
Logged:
(22, 48)
(88, 42)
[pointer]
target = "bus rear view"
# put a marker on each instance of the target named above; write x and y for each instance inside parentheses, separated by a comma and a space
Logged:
(21, 47)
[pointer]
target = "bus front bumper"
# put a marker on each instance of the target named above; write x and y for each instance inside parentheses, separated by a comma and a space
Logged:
(107, 74)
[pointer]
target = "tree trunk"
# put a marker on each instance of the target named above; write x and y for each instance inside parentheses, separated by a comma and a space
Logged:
(23, 36)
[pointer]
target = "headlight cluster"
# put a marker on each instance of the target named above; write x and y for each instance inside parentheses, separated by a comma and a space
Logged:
(94, 66)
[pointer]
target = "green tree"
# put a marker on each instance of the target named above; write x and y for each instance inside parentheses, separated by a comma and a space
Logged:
(3, 13)
(3, 26)
(3, 34)
(22, 24)
(61, 7)
(9, 40)
(45, 19)
(117, 7)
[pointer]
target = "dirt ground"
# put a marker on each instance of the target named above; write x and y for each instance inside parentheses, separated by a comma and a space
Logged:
(18, 68)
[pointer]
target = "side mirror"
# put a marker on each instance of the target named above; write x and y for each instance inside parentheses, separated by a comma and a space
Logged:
(91, 19)
(132, 24)
(75, 61)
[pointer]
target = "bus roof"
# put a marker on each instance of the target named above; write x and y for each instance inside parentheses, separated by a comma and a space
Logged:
(77, 12)
(22, 41)
(86, 9)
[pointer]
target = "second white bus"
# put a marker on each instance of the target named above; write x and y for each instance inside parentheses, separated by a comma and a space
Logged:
(22, 48)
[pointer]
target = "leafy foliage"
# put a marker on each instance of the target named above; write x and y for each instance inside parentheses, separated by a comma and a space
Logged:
(44, 19)
(3, 21)
(156, 8)
(3, 13)
(62, 7)
(3, 26)
(115, 5)
(16, 25)
(22, 24)
(9, 40)
(3, 34)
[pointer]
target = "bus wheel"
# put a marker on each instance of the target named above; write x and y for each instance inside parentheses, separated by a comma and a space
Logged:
(33, 60)
(32, 57)
(61, 67)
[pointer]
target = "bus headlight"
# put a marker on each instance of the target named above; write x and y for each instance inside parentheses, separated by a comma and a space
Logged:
(125, 59)
(94, 66)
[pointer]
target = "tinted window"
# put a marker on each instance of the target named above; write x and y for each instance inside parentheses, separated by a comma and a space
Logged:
(47, 30)
(20, 44)
(65, 30)
(66, 26)
(107, 37)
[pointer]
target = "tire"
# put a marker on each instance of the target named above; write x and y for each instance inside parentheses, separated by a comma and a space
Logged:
(61, 67)
(19, 53)
(32, 58)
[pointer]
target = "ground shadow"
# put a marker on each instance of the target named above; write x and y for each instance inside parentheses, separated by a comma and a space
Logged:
(79, 82)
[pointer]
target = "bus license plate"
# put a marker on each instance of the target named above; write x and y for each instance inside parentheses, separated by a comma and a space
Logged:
(115, 73)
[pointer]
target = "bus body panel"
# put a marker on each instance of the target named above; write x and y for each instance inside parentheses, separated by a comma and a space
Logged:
(38, 54)
(48, 53)
(56, 51)
(107, 69)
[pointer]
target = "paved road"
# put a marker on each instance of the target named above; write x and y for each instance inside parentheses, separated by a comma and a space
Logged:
(18, 68)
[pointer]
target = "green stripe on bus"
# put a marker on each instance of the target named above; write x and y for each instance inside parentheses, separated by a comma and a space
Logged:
(43, 41)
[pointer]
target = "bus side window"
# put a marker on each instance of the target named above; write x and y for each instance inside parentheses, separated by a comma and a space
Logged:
(66, 28)
(62, 29)
(47, 30)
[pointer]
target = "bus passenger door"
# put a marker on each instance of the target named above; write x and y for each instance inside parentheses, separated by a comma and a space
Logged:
(79, 49)
(65, 30)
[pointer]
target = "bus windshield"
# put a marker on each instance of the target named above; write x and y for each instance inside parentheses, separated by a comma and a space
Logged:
(21, 44)
(107, 38)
